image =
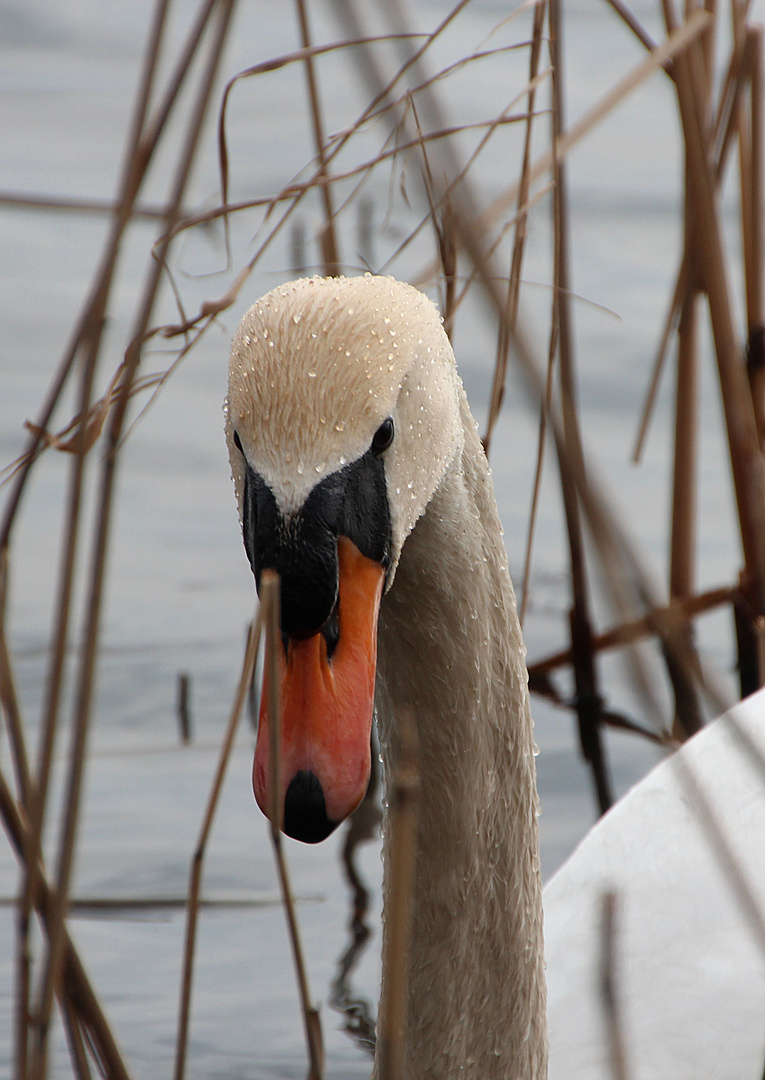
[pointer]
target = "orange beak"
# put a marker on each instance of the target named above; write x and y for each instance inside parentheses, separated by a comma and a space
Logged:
(327, 705)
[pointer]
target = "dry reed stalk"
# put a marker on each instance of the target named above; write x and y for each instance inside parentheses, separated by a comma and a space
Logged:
(84, 689)
(195, 875)
(743, 134)
(683, 526)
(544, 412)
(753, 210)
(271, 606)
(74, 1038)
(516, 261)
(546, 401)
(447, 250)
(682, 556)
(670, 324)
(402, 827)
(329, 234)
(10, 710)
(182, 708)
(609, 987)
(640, 33)
(71, 204)
(587, 694)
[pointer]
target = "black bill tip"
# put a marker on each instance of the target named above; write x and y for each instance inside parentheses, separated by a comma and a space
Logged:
(305, 813)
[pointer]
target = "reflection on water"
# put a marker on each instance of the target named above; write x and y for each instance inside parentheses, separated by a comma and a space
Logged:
(363, 827)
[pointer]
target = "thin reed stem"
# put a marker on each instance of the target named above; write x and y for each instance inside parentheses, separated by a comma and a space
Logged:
(195, 876)
(610, 987)
(329, 232)
(753, 209)
(519, 242)
(683, 527)
(588, 700)
(77, 1051)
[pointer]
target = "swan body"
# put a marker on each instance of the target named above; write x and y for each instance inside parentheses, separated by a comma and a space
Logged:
(689, 959)
(354, 456)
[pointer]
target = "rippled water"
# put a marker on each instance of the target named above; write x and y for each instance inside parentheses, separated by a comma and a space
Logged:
(180, 590)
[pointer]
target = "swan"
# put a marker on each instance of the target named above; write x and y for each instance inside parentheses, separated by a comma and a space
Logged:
(359, 476)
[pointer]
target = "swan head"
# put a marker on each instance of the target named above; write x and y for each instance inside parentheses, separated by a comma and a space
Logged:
(342, 417)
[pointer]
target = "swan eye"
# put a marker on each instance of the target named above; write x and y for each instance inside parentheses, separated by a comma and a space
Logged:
(383, 437)
(238, 442)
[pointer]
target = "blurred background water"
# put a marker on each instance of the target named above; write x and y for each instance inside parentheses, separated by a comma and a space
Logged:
(180, 591)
